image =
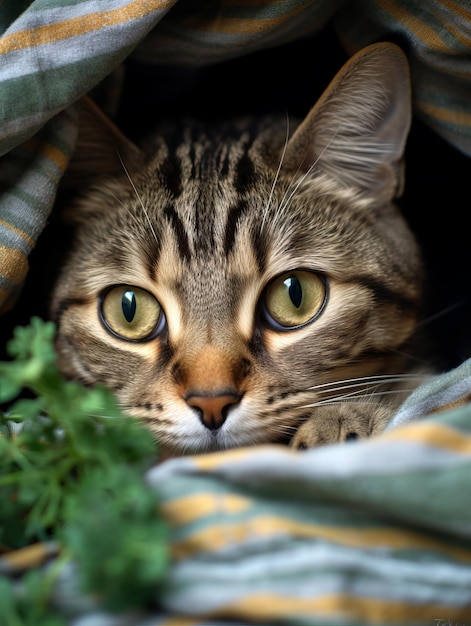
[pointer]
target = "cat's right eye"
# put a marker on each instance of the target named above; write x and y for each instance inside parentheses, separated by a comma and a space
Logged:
(131, 313)
(294, 299)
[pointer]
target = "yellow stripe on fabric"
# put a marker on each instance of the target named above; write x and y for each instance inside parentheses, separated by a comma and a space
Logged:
(224, 534)
(454, 404)
(28, 557)
(240, 26)
(367, 610)
(210, 462)
(47, 150)
(72, 27)
(457, 8)
(180, 621)
(450, 116)
(13, 264)
(190, 508)
(422, 31)
(459, 35)
(433, 434)
(18, 232)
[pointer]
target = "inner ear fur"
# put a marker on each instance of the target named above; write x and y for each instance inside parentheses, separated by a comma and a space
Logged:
(102, 150)
(357, 131)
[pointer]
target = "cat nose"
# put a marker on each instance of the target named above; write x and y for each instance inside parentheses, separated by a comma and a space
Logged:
(213, 409)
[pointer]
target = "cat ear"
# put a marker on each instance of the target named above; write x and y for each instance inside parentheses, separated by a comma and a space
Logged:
(102, 150)
(357, 131)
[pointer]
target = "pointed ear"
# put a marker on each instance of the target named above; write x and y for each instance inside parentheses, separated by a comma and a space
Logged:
(357, 131)
(102, 150)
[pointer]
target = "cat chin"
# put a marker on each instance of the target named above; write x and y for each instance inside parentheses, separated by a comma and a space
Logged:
(206, 442)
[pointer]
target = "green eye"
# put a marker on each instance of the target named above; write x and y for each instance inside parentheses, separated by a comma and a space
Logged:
(131, 313)
(294, 299)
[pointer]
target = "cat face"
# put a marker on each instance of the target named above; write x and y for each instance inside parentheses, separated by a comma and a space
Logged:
(216, 285)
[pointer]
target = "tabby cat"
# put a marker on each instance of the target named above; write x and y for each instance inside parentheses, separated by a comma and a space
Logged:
(232, 283)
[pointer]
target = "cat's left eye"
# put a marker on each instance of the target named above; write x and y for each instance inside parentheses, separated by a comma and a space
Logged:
(131, 313)
(294, 299)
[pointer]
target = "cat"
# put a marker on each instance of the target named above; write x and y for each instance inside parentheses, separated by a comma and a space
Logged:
(234, 283)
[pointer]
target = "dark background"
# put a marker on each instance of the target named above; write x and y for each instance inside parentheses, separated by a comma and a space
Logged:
(289, 79)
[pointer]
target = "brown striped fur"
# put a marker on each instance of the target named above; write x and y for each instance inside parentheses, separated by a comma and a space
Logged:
(204, 219)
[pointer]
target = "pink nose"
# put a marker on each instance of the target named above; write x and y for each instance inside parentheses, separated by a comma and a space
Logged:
(213, 409)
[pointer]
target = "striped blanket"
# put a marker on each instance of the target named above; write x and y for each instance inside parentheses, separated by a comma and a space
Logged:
(377, 532)
(372, 533)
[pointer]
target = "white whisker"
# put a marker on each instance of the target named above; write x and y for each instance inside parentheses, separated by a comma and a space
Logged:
(356, 394)
(411, 357)
(340, 398)
(138, 197)
(361, 380)
(277, 174)
(442, 313)
(285, 201)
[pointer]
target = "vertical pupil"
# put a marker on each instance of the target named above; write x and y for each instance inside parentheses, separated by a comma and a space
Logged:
(295, 290)
(128, 304)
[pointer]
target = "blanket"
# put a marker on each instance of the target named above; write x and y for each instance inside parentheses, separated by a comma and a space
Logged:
(376, 532)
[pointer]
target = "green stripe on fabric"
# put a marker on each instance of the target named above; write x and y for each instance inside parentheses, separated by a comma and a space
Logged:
(18, 207)
(13, 169)
(412, 496)
(25, 100)
(30, 95)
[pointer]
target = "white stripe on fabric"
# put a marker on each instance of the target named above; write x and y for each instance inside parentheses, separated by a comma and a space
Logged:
(311, 571)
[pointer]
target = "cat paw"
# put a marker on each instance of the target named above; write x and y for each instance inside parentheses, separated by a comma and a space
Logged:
(341, 422)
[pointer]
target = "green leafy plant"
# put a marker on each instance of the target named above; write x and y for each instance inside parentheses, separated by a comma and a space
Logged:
(29, 606)
(71, 470)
